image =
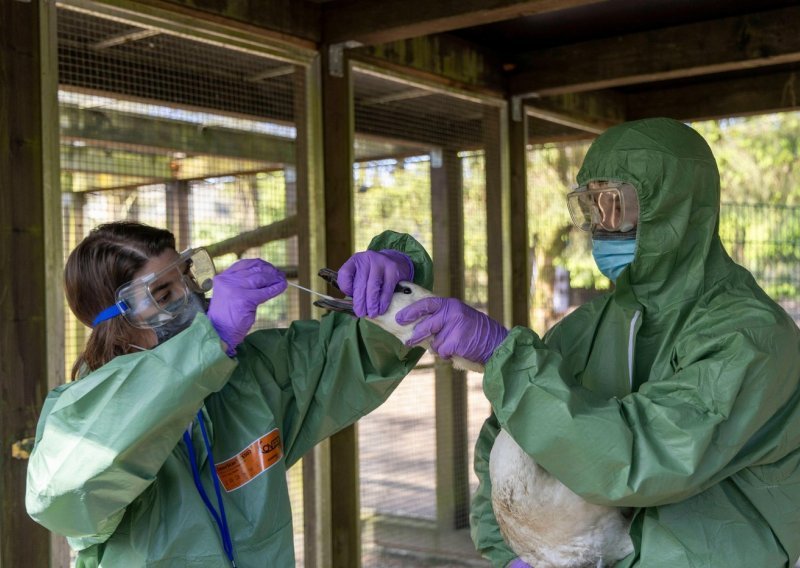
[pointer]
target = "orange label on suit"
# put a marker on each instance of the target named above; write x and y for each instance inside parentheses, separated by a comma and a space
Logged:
(251, 462)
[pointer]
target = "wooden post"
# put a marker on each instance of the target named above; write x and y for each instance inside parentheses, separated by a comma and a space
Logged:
(498, 227)
(338, 126)
(520, 247)
(452, 469)
(317, 520)
(31, 311)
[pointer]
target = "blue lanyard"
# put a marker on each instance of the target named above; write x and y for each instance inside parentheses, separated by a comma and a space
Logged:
(221, 520)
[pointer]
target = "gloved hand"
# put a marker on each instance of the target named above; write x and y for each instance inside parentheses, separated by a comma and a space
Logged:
(238, 291)
(370, 277)
(518, 563)
(456, 328)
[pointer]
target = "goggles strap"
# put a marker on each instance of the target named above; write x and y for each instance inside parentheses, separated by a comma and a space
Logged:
(111, 312)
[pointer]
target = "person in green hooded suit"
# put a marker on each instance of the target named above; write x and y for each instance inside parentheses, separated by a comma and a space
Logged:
(676, 395)
(171, 447)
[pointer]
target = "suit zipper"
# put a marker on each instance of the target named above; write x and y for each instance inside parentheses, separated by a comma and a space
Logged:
(631, 337)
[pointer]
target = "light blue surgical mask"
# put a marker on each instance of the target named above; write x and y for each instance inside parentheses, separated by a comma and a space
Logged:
(612, 256)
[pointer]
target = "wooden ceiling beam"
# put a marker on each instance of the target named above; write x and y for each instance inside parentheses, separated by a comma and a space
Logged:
(722, 98)
(125, 37)
(290, 20)
(440, 58)
(122, 130)
(699, 48)
(369, 22)
(589, 112)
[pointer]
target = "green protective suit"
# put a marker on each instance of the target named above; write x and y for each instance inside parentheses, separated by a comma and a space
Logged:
(108, 470)
(676, 394)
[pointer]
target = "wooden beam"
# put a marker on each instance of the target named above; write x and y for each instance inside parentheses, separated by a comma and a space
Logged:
(317, 515)
(143, 132)
(727, 44)
(520, 247)
(177, 210)
(273, 73)
(276, 231)
(444, 59)
(31, 256)
(286, 19)
(124, 37)
(372, 22)
(452, 468)
(721, 98)
(592, 112)
(498, 216)
(338, 126)
(543, 132)
(87, 159)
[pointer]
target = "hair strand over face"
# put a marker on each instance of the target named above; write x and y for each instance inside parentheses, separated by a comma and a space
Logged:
(106, 259)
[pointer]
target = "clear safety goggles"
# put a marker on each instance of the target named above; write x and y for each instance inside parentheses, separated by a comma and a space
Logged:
(154, 299)
(609, 206)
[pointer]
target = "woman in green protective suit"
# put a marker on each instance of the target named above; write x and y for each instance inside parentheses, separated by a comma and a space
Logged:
(172, 447)
(677, 394)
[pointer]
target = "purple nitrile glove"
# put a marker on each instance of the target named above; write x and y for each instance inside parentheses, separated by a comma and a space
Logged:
(518, 563)
(370, 277)
(238, 291)
(456, 328)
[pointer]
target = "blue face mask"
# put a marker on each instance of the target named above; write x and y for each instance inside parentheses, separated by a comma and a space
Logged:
(612, 256)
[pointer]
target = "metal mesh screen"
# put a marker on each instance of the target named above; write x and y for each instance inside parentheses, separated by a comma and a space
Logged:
(404, 131)
(563, 272)
(177, 133)
(764, 239)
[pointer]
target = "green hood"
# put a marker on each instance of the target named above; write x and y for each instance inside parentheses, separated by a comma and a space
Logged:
(676, 177)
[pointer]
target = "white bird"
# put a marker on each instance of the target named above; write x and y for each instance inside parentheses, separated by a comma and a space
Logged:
(544, 523)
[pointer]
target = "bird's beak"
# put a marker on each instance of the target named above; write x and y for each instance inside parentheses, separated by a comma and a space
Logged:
(344, 305)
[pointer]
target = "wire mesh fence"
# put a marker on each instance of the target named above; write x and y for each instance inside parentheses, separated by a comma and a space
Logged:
(197, 138)
(765, 239)
(563, 274)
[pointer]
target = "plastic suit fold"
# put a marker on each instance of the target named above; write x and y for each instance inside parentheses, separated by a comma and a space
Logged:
(108, 470)
(676, 394)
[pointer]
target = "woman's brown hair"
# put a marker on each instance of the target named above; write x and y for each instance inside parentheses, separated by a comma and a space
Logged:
(105, 260)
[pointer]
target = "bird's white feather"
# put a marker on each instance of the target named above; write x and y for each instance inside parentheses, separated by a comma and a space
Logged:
(543, 522)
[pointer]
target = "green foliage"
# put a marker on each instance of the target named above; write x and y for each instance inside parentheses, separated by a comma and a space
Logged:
(225, 207)
(476, 277)
(760, 187)
(554, 241)
(392, 194)
(396, 194)
(757, 157)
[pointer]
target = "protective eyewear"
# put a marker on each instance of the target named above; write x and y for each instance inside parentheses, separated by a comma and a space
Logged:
(608, 206)
(154, 299)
